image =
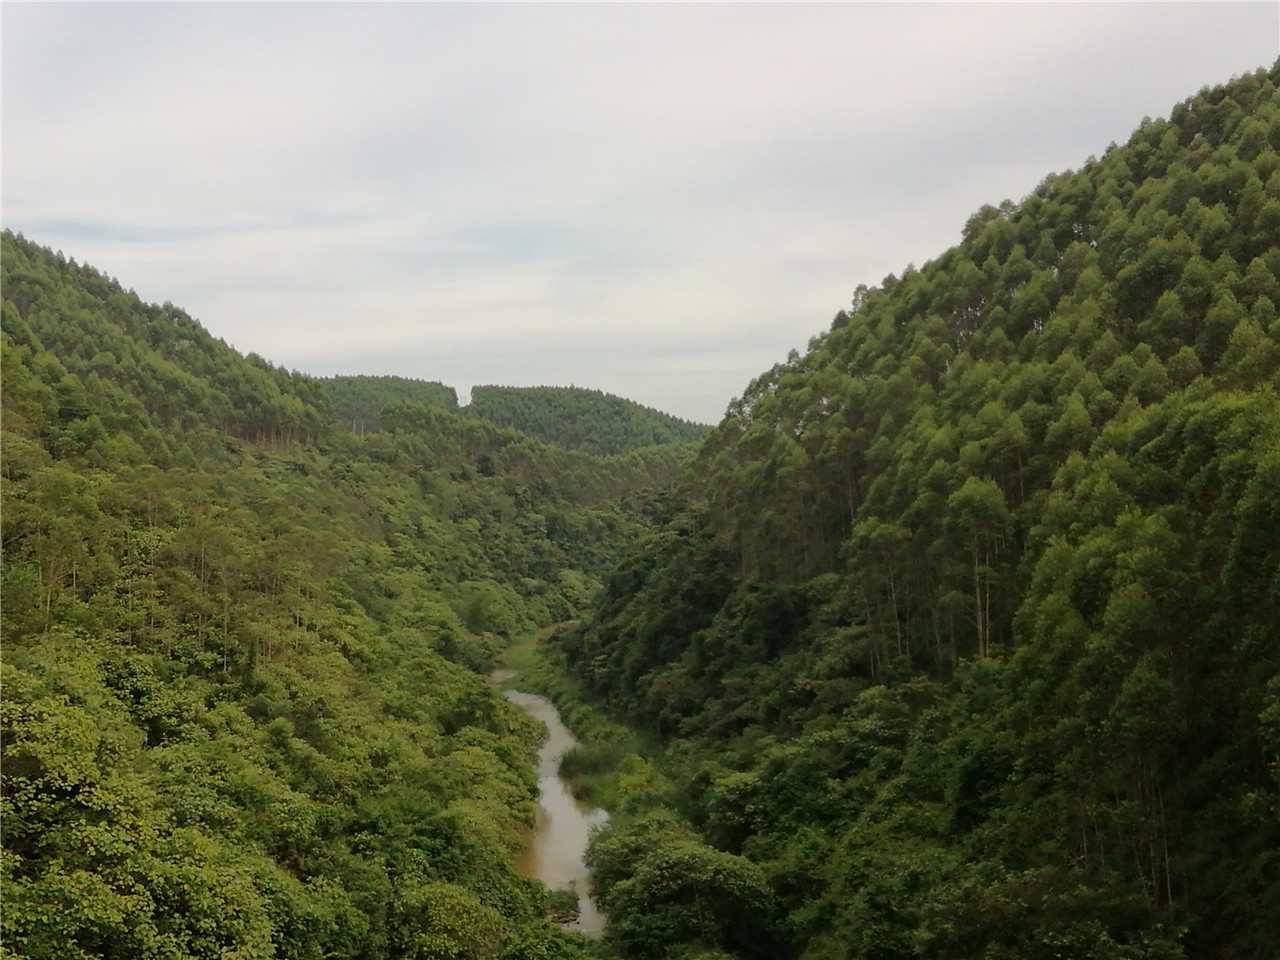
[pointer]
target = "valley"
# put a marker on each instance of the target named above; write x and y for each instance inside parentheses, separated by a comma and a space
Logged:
(956, 637)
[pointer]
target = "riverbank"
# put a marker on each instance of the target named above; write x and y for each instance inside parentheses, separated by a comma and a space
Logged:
(668, 889)
(556, 846)
(610, 765)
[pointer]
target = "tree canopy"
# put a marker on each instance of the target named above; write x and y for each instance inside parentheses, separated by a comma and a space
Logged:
(581, 419)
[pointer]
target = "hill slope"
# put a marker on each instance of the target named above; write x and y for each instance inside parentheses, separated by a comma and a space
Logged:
(572, 418)
(243, 712)
(965, 625)
(580, 419)
(358, 401)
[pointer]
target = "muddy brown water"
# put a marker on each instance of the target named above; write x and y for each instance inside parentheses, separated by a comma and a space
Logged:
(558, 841)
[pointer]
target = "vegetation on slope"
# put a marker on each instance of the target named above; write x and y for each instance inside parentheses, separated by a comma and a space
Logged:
(358, 401)
(243, 712)
(963, 632)
(572, 418)
(581, 419)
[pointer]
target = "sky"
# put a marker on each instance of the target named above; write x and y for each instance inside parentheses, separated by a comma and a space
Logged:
(654, 200)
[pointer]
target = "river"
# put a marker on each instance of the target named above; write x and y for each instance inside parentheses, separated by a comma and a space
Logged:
(559, 838)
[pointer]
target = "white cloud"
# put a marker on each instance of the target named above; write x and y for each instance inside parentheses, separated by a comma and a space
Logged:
(658, 200)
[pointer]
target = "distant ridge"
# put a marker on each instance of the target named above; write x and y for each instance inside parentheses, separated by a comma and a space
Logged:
(358, 401)
(577, 418)
(572, 418)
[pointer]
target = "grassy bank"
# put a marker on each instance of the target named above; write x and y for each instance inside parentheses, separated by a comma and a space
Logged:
(612, 767)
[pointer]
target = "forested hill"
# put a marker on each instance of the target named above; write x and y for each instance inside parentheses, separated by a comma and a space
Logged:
(581, 419)
(358, 401)
(966, 627)
(572, 418)
(161, 369)
(243, 708)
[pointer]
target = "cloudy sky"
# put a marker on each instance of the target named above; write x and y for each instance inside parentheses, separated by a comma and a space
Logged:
(656, 200)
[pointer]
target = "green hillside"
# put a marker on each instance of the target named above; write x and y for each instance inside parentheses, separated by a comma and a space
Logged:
(580, 419)
(243, 709)
(358, 402)
(568, 417)
(964, 633)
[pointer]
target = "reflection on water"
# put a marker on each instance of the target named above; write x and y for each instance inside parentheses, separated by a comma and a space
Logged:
(559, 839)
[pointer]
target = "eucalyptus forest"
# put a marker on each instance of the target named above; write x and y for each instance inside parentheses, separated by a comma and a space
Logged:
(957, 638)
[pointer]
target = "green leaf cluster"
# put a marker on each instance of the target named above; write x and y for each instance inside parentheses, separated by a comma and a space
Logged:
(663, 889)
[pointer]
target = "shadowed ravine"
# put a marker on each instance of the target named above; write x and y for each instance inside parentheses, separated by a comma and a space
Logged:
(559, 838)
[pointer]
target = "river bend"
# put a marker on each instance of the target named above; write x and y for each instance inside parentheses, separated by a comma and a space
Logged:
(558, 842)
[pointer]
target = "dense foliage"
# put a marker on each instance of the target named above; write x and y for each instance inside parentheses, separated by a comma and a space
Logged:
(571, 418)
(358, 401)
(964, 632)
(581, 419)
(243, 712)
